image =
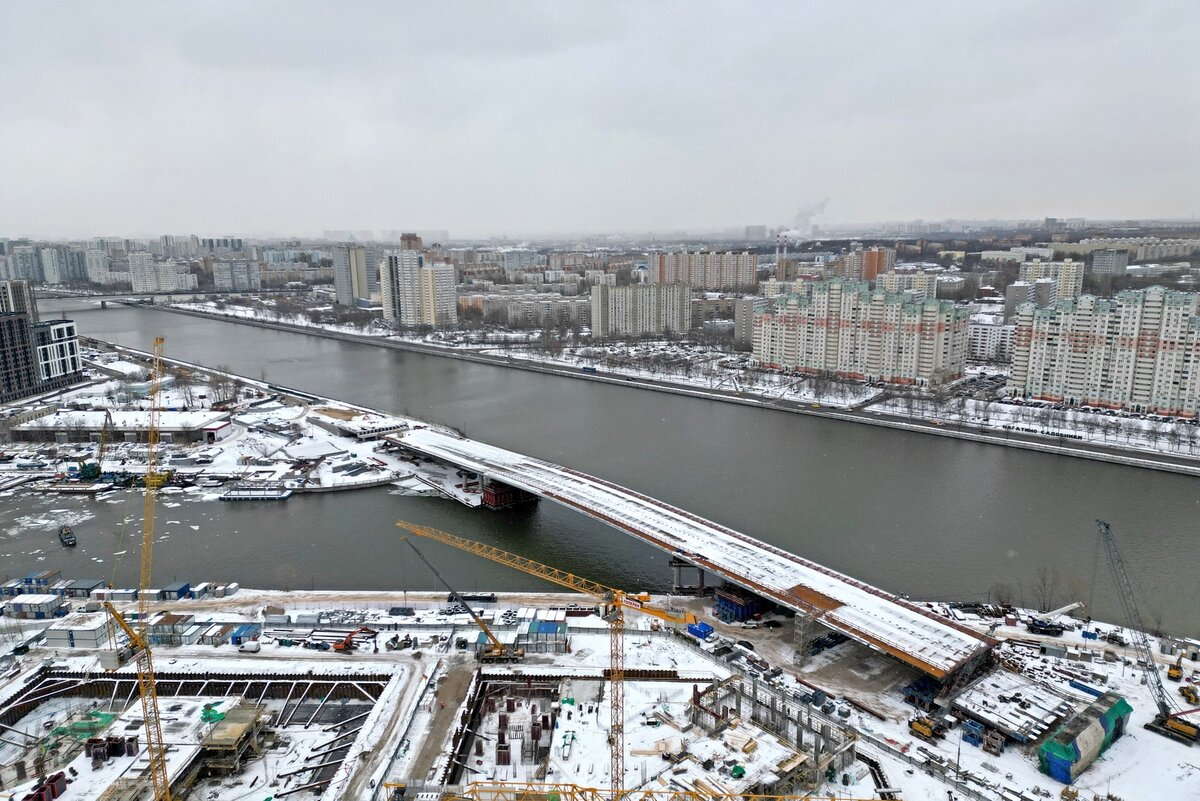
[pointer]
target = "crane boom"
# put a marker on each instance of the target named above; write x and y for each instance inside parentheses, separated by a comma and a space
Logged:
(498, 647)
(1133, 618)
(616, 601)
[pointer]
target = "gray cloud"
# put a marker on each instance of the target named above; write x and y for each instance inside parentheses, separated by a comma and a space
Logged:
(520, 118)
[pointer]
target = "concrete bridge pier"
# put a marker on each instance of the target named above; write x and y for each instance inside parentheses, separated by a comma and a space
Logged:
(677, 578)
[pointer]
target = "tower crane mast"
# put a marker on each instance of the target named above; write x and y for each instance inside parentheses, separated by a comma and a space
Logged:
(139, 637)
(615, 603)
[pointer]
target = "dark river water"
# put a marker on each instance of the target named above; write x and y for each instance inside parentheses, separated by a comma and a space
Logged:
(926, 516)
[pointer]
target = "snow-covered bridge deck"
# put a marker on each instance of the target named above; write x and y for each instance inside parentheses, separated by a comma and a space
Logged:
(914, 635)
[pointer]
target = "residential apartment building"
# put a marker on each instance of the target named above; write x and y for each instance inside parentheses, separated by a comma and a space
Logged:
(97, 267)
(920, 282)
(1110, 261)
(989, 338)
(27, 265)
(148, 275)
(1067, 276)
(641, 310)
(53, 268)
(1138, 351)
(865, 265)
(847, 330)
(744, 312)
(416, 293)
(351, 274)
(16, 297)
(56, 345)
(236, 276)
(34, 357)
(18, 361)
(1140, 248)
(703, 270)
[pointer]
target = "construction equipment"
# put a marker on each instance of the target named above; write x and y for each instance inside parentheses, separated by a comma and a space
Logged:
(1167, 722)
(89, 471)
(614, 603)
(927, 729)
(1175, 671)
(1190, 694)
(1048, 622)
(532, 791)
(495, 651)
(346, 645)
(156, 752)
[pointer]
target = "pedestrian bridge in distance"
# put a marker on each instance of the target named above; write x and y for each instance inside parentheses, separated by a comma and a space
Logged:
(915, 635)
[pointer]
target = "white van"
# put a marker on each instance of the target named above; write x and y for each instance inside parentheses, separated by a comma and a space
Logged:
(250, 647)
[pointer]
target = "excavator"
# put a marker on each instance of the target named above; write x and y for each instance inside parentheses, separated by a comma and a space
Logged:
(347, 646)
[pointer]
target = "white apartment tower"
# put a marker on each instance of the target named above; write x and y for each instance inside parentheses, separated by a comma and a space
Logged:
(641, 310)
(847, 330)
(1138, 351)
(1067, 276)
(418, 294)
(351, 274)
(52, 266)
(96, 264)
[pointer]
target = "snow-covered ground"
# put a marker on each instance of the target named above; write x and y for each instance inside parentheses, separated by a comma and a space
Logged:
(1139, 765)
(1177, 438)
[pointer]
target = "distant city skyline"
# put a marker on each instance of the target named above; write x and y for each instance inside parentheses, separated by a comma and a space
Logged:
(546, 120)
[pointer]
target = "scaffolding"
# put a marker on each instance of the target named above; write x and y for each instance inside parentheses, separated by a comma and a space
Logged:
(234, 735)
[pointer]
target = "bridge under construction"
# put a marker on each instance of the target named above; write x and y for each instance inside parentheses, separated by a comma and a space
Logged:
(936, 646)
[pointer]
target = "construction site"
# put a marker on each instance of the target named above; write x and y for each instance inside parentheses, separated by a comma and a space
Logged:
(769, 676)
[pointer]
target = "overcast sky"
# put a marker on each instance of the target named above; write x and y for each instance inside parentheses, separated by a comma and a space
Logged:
(520, 118)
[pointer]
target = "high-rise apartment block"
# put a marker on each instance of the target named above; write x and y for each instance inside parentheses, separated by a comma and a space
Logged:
(236, 276)
(1110, 261)
(16, 297)
(351, 274)
(26, 263)
(416, 293)
(865, 265)
(1138, 351)
(34, 357)
(52, 265)
(921, 282)
(703, 270)
(847, 330)
(148, 275)
(641, 310)
(1067, 276)
(97, 266)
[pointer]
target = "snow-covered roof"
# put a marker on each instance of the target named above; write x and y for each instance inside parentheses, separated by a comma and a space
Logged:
(126, 421)
(904, 630)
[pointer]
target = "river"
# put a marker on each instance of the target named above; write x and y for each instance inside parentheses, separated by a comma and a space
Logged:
(926, 516)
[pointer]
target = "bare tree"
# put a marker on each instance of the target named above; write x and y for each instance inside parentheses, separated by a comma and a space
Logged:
(1001, 593)
(1046, 588)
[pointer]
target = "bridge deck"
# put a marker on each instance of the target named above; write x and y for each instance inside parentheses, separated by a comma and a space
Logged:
(914, 635)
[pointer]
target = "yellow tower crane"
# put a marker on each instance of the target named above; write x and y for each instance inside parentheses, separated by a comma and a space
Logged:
(139, 637)
(615, 602)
